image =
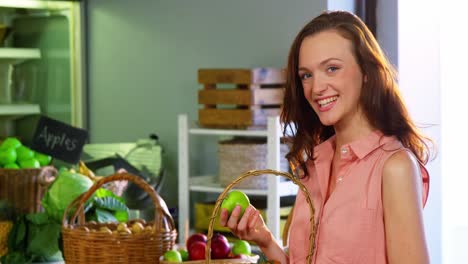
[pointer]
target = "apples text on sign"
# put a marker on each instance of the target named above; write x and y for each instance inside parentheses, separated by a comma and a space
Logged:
(52, 140)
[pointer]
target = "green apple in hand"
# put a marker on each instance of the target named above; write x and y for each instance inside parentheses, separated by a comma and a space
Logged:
(235, 198)
(172, 256)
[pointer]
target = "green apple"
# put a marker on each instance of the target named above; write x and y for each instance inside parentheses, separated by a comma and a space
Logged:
(172, 256)
(24, 153)
(7, 155)
(29, 164)
(11, 166)
(241, 247)
(10, 142)
(233, 199)
(184, 254)
(43, 159)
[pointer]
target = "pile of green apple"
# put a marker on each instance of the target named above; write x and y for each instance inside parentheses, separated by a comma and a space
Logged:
(15, 155)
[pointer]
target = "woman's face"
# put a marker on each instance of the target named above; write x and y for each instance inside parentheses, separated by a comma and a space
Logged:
(331, 77)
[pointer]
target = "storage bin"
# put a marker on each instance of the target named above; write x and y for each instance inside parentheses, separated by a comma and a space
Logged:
(239, 98)
(239, 155)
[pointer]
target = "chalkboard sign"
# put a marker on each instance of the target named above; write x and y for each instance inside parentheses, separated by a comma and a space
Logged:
(59, 140)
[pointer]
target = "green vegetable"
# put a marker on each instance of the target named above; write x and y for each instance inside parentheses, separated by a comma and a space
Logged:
(106, 207)
(33, 238)
(66, 188)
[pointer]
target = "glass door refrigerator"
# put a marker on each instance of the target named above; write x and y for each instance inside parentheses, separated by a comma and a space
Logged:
(41, 65)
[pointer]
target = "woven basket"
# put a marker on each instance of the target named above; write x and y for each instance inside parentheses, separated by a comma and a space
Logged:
(84, 243)
(239, 155)
(256, 173)
(24, 188)
(215, 261)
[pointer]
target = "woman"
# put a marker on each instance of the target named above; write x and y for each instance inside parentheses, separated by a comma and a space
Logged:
(361, 156)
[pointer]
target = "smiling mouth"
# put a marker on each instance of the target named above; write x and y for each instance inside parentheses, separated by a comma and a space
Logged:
(327, 101)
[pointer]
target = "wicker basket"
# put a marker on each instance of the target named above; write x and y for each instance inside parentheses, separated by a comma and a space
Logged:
(24, 188)
(239, 155)
(83, 244)
(252, 173)
(215, 261)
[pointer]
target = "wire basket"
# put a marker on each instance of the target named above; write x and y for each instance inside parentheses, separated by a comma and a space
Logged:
(24, 188)
(256, 173)
(88, 243)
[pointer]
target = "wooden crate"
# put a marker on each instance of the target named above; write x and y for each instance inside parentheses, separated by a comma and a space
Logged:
(239, 98)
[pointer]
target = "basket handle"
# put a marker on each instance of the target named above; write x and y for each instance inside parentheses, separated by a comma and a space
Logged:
(159, 203)
(258, 173)
(47, 175)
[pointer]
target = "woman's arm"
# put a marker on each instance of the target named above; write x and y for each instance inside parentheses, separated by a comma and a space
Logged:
(251, 227)
(402, 206)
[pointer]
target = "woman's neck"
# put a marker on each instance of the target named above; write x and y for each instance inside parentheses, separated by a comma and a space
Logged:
(351, 131)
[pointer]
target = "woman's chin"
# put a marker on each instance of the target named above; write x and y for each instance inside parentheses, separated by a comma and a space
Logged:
(327, 121)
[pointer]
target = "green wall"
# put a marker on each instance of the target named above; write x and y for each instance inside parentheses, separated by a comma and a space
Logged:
(144, 56)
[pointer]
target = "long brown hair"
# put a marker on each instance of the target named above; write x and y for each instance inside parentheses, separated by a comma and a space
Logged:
(380, 98)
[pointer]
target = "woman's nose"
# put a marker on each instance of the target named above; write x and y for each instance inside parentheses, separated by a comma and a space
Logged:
(319, 85)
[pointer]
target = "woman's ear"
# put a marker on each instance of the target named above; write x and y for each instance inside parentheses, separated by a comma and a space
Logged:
(365, 78)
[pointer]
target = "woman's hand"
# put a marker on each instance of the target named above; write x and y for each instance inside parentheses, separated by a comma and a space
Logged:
(249, 227)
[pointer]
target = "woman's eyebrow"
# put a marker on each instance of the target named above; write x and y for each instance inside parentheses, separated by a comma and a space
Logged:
(303, 68)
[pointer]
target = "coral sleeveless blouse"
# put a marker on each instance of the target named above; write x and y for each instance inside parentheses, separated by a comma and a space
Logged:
(350, 225)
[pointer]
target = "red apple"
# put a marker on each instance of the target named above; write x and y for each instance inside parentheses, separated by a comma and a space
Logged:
(220, 247)
(197, 250)
(194, 238)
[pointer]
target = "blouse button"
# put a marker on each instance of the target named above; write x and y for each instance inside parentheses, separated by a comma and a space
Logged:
(344, 150)
(340, 179)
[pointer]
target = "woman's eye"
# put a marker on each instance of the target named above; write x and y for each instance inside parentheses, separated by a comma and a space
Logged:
(332, 69)
(305, 76)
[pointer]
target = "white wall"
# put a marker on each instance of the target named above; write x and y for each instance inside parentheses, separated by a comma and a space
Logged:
(418, 61)
(454, 90)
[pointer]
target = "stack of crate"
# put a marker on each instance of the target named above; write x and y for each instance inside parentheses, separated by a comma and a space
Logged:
(239, 98)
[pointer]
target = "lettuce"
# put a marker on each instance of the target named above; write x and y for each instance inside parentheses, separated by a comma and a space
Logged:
(66, 188)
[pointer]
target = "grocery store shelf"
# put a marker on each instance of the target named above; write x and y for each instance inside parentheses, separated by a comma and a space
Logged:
(210, 184)
(228, 132)
(13, 111)
(18, 55)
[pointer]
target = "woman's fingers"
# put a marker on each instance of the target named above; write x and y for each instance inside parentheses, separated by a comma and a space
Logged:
(243, 223)
(254, 219)
(223, 218)
(234, 218)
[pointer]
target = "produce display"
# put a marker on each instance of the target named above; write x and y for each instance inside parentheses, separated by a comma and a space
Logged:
(6, 223)
(14, 155)
(196, 245)
(36, 237)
